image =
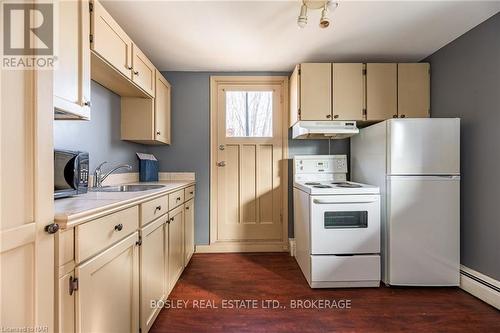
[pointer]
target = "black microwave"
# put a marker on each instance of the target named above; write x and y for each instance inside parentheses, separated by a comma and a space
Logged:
(71, 173)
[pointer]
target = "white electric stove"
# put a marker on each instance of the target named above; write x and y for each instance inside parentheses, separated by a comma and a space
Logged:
(337, 224)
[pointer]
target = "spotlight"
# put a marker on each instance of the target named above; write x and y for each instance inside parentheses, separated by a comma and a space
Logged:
(302, 19)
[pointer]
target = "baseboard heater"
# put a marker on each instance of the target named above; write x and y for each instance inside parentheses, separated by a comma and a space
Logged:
(480, 286)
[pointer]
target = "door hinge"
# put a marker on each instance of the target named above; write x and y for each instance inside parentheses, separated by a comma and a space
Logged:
(91, 38)
(73, 285)
(139, 242)
(300, 71)
(364, 71)
(91, 7)
(364, 112)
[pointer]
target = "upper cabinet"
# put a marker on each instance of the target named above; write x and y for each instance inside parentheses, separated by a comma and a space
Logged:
(72, 75)
(315, 91)
(162, 109)
(414, 90)
(348, 91)
(110, 41)
(381, 91)
(143, 71)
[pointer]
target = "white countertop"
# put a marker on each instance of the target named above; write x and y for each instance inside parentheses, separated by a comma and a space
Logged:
(70, 212)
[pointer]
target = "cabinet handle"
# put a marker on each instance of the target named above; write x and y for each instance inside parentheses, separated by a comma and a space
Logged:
(187, 207)
(87, 103)
(157, 208)
(158, 132)
(129, 67)
(192, 192)
(221, 163)
(119, 227)
(139, 242)
(328, 116)
(178, 199)
(395, 116)
(171, 220)
(403, 116)
(136, 73)
(336, 116)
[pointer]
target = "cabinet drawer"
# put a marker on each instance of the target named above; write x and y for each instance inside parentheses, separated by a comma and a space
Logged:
(189, 193)
(175, 199)
(153, 209)
(93, 237)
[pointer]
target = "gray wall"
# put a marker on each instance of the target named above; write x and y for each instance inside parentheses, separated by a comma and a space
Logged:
(101, 135)
(465, 83)
(190, 148)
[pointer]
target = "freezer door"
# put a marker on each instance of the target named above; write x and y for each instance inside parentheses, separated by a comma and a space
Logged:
(423, 220)
(423, 146)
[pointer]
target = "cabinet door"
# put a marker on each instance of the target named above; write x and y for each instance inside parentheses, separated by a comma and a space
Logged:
(65, 305)
(152, 273)
(413, 90)
(108, 291)
(175, 245)
(315, 91)
(162, 109)
(381, 91)
(348, 91)
(143, 72)
(188, 231)
(72, 74)
(110, 41)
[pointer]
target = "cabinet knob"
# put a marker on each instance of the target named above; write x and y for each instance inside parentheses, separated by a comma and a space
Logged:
(336, 116)
(119, 227)
(157, 208)
(158, 132)
(395, 116)
(328, 116)
(178, 199)
(129, 67)
(187, 207)
(403, 116)
(221, 163)
(136, 73)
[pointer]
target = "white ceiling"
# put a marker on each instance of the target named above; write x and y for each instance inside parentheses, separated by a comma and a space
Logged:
(263, 35)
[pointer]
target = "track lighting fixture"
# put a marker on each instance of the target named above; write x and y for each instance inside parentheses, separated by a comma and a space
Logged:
(324, 21)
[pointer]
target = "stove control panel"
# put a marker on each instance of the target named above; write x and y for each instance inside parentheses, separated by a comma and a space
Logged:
(317, 164)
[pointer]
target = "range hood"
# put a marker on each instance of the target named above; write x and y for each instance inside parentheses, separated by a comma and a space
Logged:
(306, 129)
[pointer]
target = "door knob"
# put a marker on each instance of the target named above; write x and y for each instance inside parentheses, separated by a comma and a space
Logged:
(222, 147)
(221, 163)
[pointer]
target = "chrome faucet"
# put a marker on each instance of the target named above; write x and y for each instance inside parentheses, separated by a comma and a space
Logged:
(99, 177)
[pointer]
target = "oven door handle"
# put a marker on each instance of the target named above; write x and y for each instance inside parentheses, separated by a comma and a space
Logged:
(326, 202)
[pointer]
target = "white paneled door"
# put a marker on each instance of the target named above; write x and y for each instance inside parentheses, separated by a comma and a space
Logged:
(247, 157)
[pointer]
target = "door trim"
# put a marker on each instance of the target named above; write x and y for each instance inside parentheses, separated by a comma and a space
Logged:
(253, 246)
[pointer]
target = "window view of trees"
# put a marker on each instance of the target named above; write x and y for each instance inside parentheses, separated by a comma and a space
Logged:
(249, 113)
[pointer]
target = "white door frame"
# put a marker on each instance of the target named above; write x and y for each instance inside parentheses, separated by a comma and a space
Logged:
(251, 246)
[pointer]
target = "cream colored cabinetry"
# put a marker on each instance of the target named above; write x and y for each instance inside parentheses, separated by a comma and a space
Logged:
(108, 290)
(381, 91)
(348, 91)
(175, 245)
(143, 71)
(72, 74)
(311, 92)
(66, 304)
(414, 90)
(146, 120)
(153, 270)
(188, 231)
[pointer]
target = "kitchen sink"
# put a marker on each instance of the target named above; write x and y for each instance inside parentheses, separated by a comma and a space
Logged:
(127, 188)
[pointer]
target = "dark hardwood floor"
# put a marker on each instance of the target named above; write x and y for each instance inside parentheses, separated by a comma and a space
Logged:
(213, 282)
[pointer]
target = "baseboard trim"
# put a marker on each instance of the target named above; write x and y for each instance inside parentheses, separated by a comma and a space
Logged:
(228, 247)
(292, 246)
(481, 286)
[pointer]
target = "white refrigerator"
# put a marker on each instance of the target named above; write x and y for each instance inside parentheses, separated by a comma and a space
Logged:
(416, 164)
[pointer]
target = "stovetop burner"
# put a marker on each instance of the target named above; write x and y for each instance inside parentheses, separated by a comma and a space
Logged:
(312, 183)
(322, 186)
(346, 185)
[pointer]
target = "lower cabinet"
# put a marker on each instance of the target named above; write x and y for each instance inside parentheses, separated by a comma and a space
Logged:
(175, 245)
(108, 290)
(65, 303)
(188, 231)
(152, 270)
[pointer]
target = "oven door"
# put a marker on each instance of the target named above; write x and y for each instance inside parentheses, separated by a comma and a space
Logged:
(345, 224)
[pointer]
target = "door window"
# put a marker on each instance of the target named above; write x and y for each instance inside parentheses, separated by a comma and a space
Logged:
(249, 113)
(346, 220)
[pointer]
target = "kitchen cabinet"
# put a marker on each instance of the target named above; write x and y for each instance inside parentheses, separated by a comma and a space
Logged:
(348, 91)
(152, 270)
(65, 304)
(188, 231)
(146, 120)
(175, 245)
(109, 40)
(108, 290)
(143, 71)
(72, 74)
(311, 92)
(381, 91)
(414, 90)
